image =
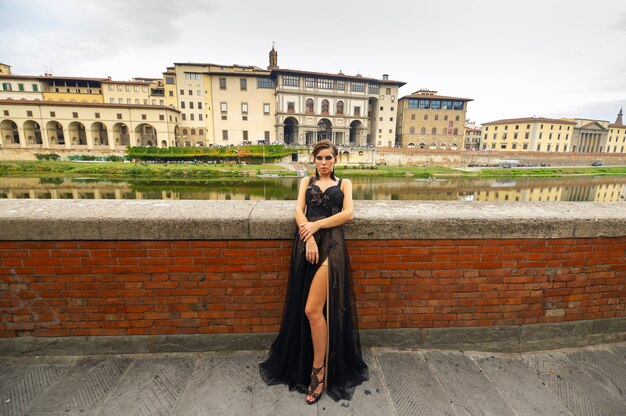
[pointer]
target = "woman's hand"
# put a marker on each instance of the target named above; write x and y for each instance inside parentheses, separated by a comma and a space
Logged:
(312, 254)
(308, 229)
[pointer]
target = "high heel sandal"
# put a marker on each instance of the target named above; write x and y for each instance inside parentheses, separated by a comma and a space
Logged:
(315, 382)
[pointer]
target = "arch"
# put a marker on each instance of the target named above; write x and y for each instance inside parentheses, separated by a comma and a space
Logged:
(434, 130)
(423, 130)
(290, 131)
(339, 111)
(55, 133)
(433, 146)
(355, 131)
(309, 106)
(10, 134)
(412, 130)
(32, 131)
(436, 117)
(199, 143)
(120, 134)
(187, 143)
(146, 135)
(411, 145)
(78, 134)
(325, 107)
(324, 129)
(163, 143)
(99, 134)
(442, 146)
(456, 131)
(422, 146)
(454, 146)
(343, 157)
(176, 136)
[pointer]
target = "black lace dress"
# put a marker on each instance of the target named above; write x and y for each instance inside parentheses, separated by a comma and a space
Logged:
(291, 354)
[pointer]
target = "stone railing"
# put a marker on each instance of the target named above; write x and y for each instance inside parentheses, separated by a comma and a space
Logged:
(136, 276)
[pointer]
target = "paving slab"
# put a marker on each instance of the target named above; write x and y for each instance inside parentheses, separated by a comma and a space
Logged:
(604, 365)
(583, 393)
(470, 391)
(414, 389)
(508, 374)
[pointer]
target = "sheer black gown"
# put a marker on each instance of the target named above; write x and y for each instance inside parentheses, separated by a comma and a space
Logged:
(291, 354)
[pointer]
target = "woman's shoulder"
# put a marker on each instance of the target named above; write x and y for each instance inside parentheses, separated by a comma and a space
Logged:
(307, 180)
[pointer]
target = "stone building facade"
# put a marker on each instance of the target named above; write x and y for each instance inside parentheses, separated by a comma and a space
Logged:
(533, 134)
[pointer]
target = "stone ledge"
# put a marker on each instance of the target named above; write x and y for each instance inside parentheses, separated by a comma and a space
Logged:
(519, 338)
(33, 220)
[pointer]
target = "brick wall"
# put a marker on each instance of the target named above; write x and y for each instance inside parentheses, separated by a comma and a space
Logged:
(74, 288)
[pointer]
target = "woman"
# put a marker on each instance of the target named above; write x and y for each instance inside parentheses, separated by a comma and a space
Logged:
(318, 346)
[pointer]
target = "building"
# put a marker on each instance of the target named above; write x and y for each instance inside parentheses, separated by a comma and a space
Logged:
(472, 137)
(616, 142)
(536, 134)
(590, 136)
(427, 120)
(51, 112)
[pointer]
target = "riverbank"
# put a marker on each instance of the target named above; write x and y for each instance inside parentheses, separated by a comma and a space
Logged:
(203, 171)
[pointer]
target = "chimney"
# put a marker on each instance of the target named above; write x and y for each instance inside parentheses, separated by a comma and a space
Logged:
(385, 77)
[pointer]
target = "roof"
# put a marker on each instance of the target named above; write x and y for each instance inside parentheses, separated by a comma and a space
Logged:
(109, 81)
(619, 126)
(436, 96)
(337, 76)
(531, 120)
(77, 104)
(7, 76)
(474, 129)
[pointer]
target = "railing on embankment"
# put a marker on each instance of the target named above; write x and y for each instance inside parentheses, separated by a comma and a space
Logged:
(81, 277)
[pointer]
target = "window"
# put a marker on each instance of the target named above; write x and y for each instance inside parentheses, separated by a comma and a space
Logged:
(435, 104)
(423, 130)
(185, 132)
(129, 101)
(457, 118)
(357, 111)
(456, 130)
(193, 132)
(182, 104)
(457, 105)
(75, 114)
(325, 106)
(97, 115)
(145, 101)
(291, 107)
(525, 147)
(6, 86)
(137, 101)
(244, 108)
(267, 136)
(144, 89)
(425, 116)
(200, 132)
(411, 130)
(29, 113)
(119, 88)
(412, 116)
(357, 86)
(6, 112)
(291, 80)
(526, 135)
(222, 83)
(200, 117)
(434, 130)
(388, 91)
(325, 84)
(539, 147)
(548, 148)
(425, 104)
(309, 106)
(243, 84)
(374, 89)
(339, 107)
(136, 88)
(514, 135)
(161, 117)
(436, 116)
(266, 108)
(171, 93)
(223, 107)
(144, 117)
(35, 87)
(445, 118)
(191, 105)
(309, 82)
(128, 88)
(183, 116)
(341, 85)
(161, 102)
(265, 83)
(224, 135)
(245, 135)
(199, 105)
(112, 100)
(413, 103)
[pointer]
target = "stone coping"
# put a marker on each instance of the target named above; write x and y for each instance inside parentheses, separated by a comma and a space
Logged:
(512, 338)
(45, 220)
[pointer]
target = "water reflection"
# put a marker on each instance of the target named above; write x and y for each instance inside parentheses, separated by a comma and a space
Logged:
(598, 189)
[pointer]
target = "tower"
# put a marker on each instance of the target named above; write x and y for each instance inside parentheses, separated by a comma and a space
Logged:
(619, 117)
(273, 59)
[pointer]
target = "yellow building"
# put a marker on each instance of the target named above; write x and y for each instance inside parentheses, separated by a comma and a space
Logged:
(430, 121)
(616, 142)
(535, 134)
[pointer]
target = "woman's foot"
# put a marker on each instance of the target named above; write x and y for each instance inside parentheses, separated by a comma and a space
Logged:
(317, 385)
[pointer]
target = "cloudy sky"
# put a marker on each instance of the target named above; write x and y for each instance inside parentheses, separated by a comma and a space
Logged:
(551, 58)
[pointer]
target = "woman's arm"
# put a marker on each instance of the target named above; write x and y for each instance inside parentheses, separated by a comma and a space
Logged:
(346, 215)
(299, 215)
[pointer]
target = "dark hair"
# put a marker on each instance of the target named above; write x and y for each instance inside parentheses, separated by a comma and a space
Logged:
(323, 145)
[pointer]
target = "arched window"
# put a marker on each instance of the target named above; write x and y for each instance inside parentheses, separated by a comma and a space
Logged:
(201, 132)
(422, 146)
(309, 106)
(193, 132)
(185, 131)
(325, 107)
(412, 116)
(456, 130)
(434, 130)
(437, 117)
(445, 117)
(340, 107)
(412, 130)
(423, 130)
(425, 116)
(457, 118)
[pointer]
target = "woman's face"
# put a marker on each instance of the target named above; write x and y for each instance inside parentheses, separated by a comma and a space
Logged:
(324, 161)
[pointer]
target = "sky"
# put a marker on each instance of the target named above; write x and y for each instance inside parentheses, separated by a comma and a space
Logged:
(545, 58)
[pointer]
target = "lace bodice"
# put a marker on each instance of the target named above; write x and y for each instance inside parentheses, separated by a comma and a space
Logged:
(322, 204)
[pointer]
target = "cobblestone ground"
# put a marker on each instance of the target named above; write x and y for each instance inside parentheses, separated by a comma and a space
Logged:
(586, 381)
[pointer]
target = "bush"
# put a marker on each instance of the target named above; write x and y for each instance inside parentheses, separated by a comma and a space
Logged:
(47, 156)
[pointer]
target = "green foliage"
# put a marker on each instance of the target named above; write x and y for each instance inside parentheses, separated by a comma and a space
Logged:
(256, 153)
(47, 156)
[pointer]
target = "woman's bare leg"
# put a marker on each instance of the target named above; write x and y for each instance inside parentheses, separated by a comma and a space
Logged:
(314, 310)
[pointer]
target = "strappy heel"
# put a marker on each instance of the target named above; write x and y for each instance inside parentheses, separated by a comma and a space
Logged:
(315, 382)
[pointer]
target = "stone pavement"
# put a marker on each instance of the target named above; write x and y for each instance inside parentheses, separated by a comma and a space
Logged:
(584, 381)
